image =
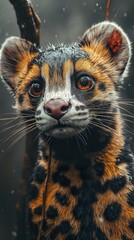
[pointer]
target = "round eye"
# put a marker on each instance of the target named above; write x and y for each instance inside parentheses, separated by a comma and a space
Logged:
(36, 89)
(85, 83)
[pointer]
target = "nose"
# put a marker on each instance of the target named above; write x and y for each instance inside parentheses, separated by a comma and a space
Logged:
(56, 108)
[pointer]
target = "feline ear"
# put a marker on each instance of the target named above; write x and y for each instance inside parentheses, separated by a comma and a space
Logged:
(114, 40)
(12, 55)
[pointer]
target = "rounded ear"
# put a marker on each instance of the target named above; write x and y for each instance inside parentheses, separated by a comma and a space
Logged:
(13, 51)
(114, 40)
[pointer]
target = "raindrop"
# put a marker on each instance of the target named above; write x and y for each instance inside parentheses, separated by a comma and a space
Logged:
(125, 14)
(129, 85)
(14, 234)
(84, 4)
(64, 9)
(56, 36)
(97, 4)
(14, 170)
(22, 25)
(44, 21)
(2, 150)
(6, 34)
(12, 192)
(100, 7)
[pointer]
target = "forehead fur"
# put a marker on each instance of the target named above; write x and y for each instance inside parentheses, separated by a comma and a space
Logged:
(56, 55)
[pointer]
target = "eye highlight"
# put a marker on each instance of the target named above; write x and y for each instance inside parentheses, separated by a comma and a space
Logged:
(85, 83)
(36, 89)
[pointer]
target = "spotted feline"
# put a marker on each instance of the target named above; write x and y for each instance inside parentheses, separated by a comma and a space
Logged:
(82, 187)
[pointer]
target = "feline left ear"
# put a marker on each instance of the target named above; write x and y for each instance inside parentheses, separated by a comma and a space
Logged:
(115, 41)
(15, 55)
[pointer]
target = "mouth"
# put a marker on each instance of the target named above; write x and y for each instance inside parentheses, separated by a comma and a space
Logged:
(63, 130)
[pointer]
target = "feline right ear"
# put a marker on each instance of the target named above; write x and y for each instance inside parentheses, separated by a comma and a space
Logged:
(15, 55)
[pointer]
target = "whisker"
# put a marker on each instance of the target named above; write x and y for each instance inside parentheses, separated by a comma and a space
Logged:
(20, 136)
(17, 132)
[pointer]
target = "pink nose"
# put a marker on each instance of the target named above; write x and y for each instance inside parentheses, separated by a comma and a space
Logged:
(56, 108)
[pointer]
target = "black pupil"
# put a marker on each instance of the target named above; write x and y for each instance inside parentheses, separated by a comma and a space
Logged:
(37, 87)
(84, 81)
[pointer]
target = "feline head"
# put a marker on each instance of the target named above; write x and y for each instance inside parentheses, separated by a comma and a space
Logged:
(69, 88)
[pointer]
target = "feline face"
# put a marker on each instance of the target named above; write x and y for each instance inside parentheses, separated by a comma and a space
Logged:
(70, 88)
(65, 90)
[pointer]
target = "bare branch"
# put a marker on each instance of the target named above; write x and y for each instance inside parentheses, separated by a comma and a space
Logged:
(108, 9)
(27, 19)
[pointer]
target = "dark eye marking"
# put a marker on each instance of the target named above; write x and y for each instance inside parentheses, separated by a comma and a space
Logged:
(102, 86)
(20, 98)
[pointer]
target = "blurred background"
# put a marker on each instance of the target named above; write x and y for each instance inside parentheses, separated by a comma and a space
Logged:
(62, 21)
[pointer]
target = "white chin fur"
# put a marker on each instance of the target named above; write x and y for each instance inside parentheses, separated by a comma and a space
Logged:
(63, 132)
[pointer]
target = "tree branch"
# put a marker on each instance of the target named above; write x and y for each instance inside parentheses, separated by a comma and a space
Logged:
(27, 19)
(108, 9)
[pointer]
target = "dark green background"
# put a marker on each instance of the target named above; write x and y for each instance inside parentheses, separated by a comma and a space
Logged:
(62, 21)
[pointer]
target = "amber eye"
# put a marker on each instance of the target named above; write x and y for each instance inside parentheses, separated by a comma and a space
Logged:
(36, 89)
(85, 83)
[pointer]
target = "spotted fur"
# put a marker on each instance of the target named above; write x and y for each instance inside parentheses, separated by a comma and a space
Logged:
(90, 192)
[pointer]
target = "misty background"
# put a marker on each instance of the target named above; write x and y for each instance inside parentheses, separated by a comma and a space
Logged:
(62, 21)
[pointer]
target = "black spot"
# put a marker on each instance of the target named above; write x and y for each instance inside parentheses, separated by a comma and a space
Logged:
(125, 238)
(45, 225)
(52, 212)
(117, 184)
(102, 86)
(99, 167)
(61, 179)
(100, 235)
(71, 237)
(130, 198)
(77, 108)
(63, 168)
(79, 210)
(38, 112)
(20, 98)
(62, 198)
(40, 174)
(112, 211)
(100, 188)
(38, 210)
(131, 224)
(74, 190)
(33, 193)
(63, 227)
